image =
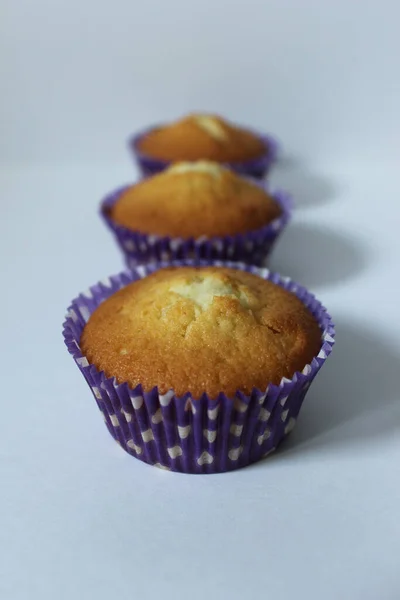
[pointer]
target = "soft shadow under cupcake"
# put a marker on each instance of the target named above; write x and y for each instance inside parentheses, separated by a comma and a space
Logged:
(355, 400)
(315, 255)
(309, 188)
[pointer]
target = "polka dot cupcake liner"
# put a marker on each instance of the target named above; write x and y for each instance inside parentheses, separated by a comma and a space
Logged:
(258, 167)
(187, 434)
(252, 247)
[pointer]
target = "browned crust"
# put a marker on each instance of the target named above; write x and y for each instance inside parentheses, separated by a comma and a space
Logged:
(195, 204)
(185, 140)
(147, 334)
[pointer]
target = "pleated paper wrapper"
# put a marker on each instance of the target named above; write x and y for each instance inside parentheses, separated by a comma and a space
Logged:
(196, 435)
(253, 247)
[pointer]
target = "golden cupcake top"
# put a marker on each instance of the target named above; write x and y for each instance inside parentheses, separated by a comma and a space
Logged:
(202, 136)
(195, 199)
(198, 330)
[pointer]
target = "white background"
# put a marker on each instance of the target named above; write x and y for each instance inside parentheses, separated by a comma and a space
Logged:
(81, 519)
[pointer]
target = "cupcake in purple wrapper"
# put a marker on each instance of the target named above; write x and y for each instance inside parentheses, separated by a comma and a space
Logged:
(204, 137)
(196, 367)
(198, 210)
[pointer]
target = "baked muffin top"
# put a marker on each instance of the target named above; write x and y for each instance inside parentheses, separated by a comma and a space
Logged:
(206, 329)
(195, 199)
(202, 136)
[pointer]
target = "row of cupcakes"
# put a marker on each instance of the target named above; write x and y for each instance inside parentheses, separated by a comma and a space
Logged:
(198, 364)
(199, 198)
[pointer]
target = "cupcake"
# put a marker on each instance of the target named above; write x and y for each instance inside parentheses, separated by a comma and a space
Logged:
(204, 137)
(196, 367)
(196, 210)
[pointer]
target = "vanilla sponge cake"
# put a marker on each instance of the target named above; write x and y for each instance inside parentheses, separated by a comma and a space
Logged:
(202, 136)
(195, 199)
(204, 329)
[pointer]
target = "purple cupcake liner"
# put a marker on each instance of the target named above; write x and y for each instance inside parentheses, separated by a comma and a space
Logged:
(257, 167)
(187, 434)
(251, 247)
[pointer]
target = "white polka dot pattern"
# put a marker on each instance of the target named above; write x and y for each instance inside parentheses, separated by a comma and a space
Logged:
(210, 436)
(183, 432)
(175, 244)
(83, 362)
(137, 402)
(127, 415)
(212, 413)
(114, 420)
(131, 444)
(96, 392)
(284, 415)
(290, 425)
(239, 405)
(263, 437)
(160, 466)
(234, 453)
(236, 430)
(85, 314)
(205, 459)
(175, 451)
(165, 399)
(129, 245)
(189, 406)
(264, 415)
(157, 417)
(147, 435)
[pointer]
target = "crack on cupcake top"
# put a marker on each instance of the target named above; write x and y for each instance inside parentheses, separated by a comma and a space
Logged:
(201, 290)
(206, 329)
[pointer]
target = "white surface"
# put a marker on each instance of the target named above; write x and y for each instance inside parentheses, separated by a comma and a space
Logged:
(79, 75)
(79, 517)
(83, 519)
